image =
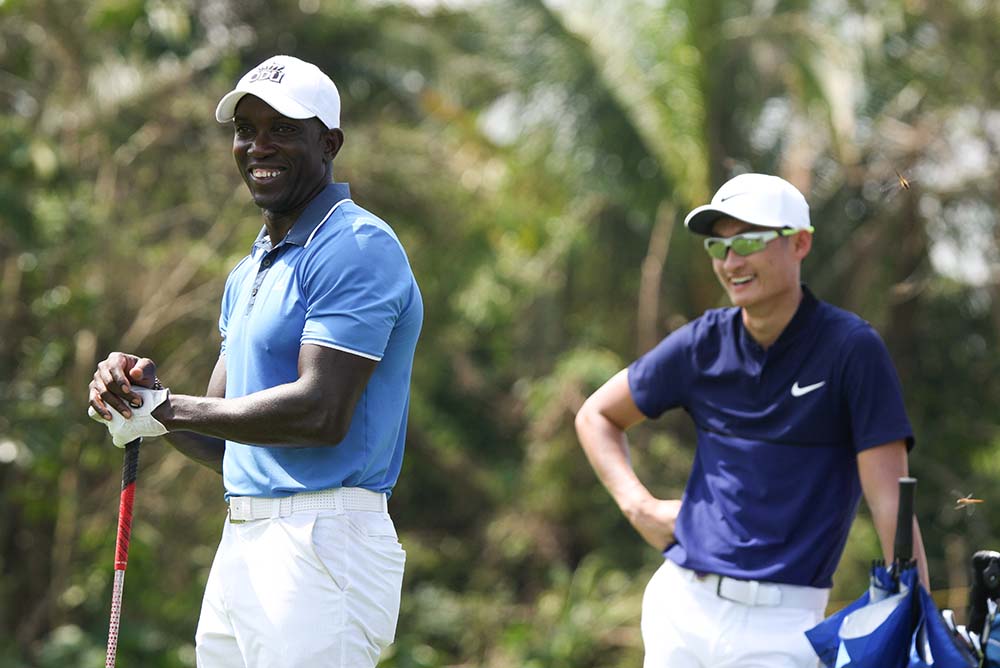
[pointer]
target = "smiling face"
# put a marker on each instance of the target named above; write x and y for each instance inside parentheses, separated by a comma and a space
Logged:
(765, 279)
(285, 162)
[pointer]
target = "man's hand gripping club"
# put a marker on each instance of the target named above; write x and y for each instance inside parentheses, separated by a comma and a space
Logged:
(142, 424)
(121, 398)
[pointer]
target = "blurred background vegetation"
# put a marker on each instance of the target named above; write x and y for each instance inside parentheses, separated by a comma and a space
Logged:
(536, 158)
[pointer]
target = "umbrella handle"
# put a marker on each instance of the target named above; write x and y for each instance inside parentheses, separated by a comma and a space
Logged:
(902, 548)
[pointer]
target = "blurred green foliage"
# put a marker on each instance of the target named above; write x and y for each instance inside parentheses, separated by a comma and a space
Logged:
(535, 157)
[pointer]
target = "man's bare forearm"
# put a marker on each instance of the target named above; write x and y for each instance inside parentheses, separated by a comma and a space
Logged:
(607, 450)
(315, 410)
(279, 416)
(885, 527)
(205, 450)
(880, 469)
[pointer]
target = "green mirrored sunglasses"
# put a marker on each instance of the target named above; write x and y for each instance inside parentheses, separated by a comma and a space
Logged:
(747, 243)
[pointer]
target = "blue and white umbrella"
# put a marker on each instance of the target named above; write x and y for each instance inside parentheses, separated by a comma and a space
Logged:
(874, 631)
(934, 645)
(894, 624)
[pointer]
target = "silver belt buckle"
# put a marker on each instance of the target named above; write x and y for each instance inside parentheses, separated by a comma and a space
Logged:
(237, 502)
(718, 590)
(753, 592)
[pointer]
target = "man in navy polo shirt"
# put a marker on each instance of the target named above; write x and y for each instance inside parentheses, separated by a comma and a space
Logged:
(305, 414)
(798, 412)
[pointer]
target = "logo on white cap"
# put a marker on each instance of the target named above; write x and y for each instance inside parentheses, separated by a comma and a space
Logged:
(758, 199)
(292, 87)
(268, 72)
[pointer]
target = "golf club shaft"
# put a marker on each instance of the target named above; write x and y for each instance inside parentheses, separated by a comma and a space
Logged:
(903, 545)
(130, 470)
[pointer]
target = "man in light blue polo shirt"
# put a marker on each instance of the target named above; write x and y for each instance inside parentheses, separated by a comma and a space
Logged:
(798, 413)
(305, 413)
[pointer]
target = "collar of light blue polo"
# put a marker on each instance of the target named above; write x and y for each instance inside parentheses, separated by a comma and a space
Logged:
(315, 214)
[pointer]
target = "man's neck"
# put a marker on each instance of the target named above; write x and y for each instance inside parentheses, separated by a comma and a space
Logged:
(766, 322)
(278, 224)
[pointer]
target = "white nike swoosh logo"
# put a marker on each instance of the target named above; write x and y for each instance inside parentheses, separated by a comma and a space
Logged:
(799, 391)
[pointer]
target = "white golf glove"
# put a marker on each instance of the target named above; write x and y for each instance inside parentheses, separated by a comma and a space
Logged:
(141, 425)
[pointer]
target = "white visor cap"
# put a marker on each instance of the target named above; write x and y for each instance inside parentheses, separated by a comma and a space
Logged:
(758, 199)
(292, 87)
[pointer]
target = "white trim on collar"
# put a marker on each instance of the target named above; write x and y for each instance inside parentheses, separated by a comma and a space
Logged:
(325, 218)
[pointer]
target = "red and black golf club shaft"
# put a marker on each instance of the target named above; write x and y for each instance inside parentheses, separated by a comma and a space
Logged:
(130, 470)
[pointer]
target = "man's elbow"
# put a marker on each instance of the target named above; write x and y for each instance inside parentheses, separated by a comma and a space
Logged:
(331, 429)
(323, 432)
(584, 421)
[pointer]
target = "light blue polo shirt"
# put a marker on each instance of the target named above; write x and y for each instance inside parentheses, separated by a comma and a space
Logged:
(340, 279)
(774, 486)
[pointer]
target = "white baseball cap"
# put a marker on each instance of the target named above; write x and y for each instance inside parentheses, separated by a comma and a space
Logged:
(758, 199)
(291, 86)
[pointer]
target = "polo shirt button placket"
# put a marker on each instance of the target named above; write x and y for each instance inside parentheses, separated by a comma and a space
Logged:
(265, 264)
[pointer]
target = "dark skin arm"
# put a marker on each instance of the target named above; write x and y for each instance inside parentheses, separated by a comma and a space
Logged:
(206, 450)
(312, 411)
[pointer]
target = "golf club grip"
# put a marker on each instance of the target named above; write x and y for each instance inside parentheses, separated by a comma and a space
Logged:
(130, 470)
(903, 545)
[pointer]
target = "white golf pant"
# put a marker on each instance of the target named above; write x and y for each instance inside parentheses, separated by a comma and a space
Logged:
(313, 589)
(686, 624)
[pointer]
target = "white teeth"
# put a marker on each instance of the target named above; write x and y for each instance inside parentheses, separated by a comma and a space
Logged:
(265, 173)
(741, 280)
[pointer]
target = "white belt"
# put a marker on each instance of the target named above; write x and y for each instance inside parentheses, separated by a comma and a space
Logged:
(756, 592)
(246, 508)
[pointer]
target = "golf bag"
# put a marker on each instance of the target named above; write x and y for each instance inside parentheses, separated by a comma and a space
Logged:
(984, 614)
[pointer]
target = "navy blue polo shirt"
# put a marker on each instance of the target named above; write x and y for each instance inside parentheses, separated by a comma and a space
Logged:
(339, 279)
(774, 486)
